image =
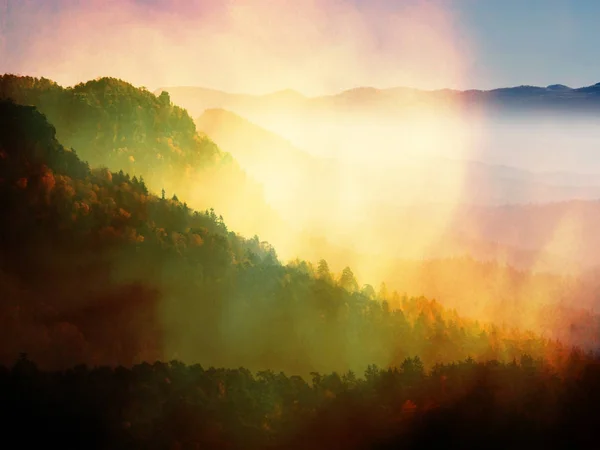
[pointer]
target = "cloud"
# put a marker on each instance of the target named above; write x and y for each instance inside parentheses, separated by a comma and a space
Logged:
(251, 46)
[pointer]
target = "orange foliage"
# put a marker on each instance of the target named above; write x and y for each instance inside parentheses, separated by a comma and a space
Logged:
(124, 213)
(83, 207)
(48, 180)
(196, 240)
(409, 407)
(64, 184)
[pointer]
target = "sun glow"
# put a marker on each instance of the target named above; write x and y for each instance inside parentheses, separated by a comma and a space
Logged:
(380, 180)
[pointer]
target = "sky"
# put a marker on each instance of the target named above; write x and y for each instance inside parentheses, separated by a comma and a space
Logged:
(313, 46)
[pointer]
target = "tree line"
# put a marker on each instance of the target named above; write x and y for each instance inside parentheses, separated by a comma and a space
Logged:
(522, 404)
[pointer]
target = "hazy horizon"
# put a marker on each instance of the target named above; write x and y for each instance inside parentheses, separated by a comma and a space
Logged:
(353, 88)
(339, 44)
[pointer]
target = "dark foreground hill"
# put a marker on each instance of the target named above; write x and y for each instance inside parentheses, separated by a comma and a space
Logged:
(466, 405)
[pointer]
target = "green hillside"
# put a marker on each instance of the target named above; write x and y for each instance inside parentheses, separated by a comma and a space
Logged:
(113, 124)
(96, 269)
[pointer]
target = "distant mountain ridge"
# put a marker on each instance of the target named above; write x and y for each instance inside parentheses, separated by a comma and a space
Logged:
(506, 214)
(595, 88)
(264, 153)
(552, 97)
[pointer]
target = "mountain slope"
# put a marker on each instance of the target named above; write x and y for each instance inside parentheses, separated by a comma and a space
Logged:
(393, 205)
(235, 132)
(113, 124)
(537, 129)
(297, 184)
(98, 270)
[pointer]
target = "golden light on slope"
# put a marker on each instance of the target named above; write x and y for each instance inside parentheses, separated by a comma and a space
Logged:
(378, 169)
(313, 46)
(374, 174)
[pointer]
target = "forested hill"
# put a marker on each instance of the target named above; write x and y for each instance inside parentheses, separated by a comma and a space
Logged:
(521, 405)
(111, 123)
(96, 269)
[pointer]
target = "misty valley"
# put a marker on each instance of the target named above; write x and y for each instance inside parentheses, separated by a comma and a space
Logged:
(377, 269)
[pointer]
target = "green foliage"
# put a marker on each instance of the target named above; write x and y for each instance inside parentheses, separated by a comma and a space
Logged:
(115, 125)
(96, 269)
(348, 280)
(172, 282)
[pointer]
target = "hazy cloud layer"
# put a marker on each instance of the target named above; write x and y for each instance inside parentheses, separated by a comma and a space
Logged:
(251, 46)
